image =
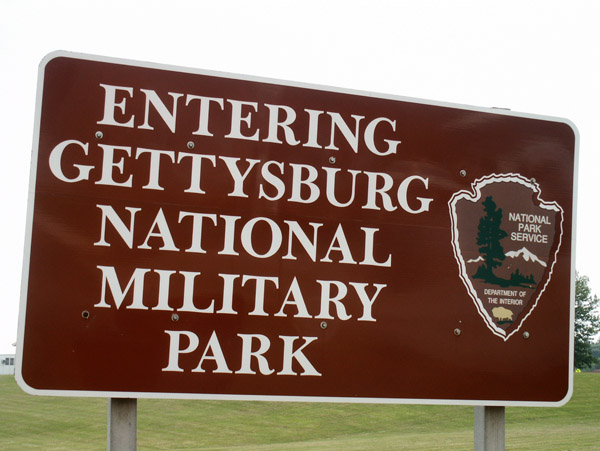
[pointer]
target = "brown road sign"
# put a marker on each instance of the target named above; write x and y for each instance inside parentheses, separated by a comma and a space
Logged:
(202, 235)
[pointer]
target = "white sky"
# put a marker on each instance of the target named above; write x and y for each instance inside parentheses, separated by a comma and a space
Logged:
(540, 57)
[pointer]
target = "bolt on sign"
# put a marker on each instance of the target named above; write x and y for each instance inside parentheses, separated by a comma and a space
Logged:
(194, 234)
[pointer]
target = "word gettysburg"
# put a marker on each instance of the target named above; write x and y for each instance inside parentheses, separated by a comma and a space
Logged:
(305, 187)
(213, 287)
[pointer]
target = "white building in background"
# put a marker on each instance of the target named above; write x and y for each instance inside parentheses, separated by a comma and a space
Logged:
(7, 364)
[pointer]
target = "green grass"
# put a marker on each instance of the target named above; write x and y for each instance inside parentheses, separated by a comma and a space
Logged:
(49, 423)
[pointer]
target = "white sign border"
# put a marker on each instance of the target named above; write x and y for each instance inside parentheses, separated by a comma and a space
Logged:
(154, 395)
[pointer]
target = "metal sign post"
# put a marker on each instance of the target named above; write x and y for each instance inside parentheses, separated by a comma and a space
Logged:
(489, 428)
(122, 424)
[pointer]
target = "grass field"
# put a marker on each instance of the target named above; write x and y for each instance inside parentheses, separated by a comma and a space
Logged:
(49, 423)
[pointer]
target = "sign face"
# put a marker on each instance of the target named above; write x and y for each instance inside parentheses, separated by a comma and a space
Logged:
(211, 236)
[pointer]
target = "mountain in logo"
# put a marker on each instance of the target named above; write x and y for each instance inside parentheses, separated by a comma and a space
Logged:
(526, 255)
(475, 260)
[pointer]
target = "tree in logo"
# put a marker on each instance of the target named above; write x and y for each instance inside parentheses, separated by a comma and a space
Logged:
(488, 238)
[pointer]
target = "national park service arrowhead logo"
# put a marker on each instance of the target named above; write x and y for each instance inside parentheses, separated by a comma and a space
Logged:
(505, 239)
